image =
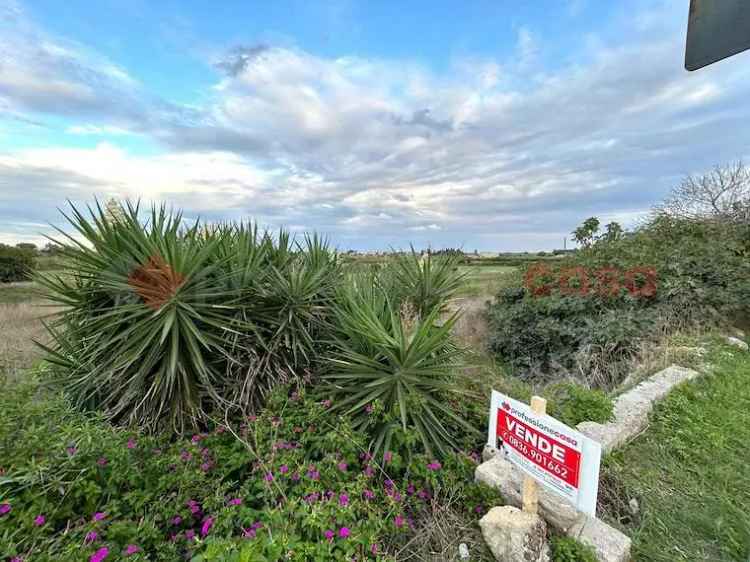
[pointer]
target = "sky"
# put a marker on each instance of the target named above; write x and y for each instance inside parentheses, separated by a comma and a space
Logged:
(486, 125)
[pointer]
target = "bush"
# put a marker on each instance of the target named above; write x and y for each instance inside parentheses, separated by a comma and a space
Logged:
(294, 482)
(573, 404)
(16, 264)
(568, 549)
(552, 328)
(164, 323)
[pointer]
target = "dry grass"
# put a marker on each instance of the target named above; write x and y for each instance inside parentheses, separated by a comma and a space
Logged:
(20, 324)
(471, 328)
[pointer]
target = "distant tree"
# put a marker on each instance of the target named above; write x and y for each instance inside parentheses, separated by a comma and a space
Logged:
(27, 247)
(586, 233)
(612, 231)
(51, 249)
(722, 194)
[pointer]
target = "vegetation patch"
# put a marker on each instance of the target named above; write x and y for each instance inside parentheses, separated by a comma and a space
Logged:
(689, 471)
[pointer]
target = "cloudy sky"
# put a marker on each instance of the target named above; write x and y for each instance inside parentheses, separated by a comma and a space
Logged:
(490, 125)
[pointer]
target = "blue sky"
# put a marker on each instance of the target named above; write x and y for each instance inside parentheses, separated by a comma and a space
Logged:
(487, 125)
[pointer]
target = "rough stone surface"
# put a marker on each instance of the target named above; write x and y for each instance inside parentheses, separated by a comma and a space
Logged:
(609, 543)
(513, 535)
(500, 474)
(463, 551)
(632, 408)
(736, 342)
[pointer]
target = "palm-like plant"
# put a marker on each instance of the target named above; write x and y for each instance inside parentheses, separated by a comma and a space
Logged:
(426, 281)
(161, 320)
(399, 361)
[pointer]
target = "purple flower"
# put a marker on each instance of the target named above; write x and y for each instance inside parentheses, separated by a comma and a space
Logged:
(195, 507)
(189, 535)
(326, 403)
(131, 443)
(368, 471)
(98, 516)
(374, 548)
(235, 501)
(344, 532)
(196, 438)
(206, 466)
(329, 535)
(343, 500)
(283, 469)
(16, 559)
(39, 520)
(4, 509)
(186, 456)
(131, 549)
(207, 524)
(91, 536)
(71, 451)
(343, 466)
(295, 477)
(99, 555)
(368, 494)
(388, 456)
(369, 409)
(313, 474)
(248, 533)
(434, 466)
(269, 476)
(102, 461)
(398, 521)
(176, 520)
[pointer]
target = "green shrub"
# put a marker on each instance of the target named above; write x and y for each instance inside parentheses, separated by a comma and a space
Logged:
(568, 549)
(164, 322)
(547, 330)
(16, 264)
(268, 487)
(573, 404)
(391, 370)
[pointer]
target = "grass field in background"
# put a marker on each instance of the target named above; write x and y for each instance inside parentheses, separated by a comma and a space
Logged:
(690, 471)
(486, 281)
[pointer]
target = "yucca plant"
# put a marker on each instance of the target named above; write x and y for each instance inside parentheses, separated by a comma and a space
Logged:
(163, 321)
(426, 281)
(398, 361)
(147, 313)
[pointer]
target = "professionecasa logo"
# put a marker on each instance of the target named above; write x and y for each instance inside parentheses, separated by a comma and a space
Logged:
(639, 282)
(505, 406)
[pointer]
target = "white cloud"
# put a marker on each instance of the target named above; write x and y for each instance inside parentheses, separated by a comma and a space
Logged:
(371, 151)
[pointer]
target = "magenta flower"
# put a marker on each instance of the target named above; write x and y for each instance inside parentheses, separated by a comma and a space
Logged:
(98, 516)
(206, 466)
(283, 469)
(131, 549)
(4, 509)
(196, 438)
(368, 494)
(369, 409)
(207, 524)
(326, 403)
(235, 501)
(186, 456)
(176, 520)
(388, 456)
(99, 555)
(269, 476)
(313, 474)
(295, 477)
(434, 466)
(102, 461)
(189, 535)
(39, 520)
(398, 521)
(343, 466)
(71, 451)
(344, 532)
(374, 548)
(131, 443)
(248, 533)
(91, 536)
(329, 535)
(16, 559)
(368, 471)
(343, 500)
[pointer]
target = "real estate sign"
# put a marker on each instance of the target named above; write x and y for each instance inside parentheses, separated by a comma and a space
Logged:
(556, 456)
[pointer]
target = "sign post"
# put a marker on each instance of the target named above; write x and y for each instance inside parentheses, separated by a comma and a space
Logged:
(549, 453)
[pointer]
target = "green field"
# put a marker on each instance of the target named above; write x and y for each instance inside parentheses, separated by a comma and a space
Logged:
(487, 280)
(689, 471)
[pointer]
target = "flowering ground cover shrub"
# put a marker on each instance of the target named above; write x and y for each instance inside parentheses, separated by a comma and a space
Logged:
(293, 483)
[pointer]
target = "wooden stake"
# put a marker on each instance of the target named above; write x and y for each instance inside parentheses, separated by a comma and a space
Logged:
(530, 492)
